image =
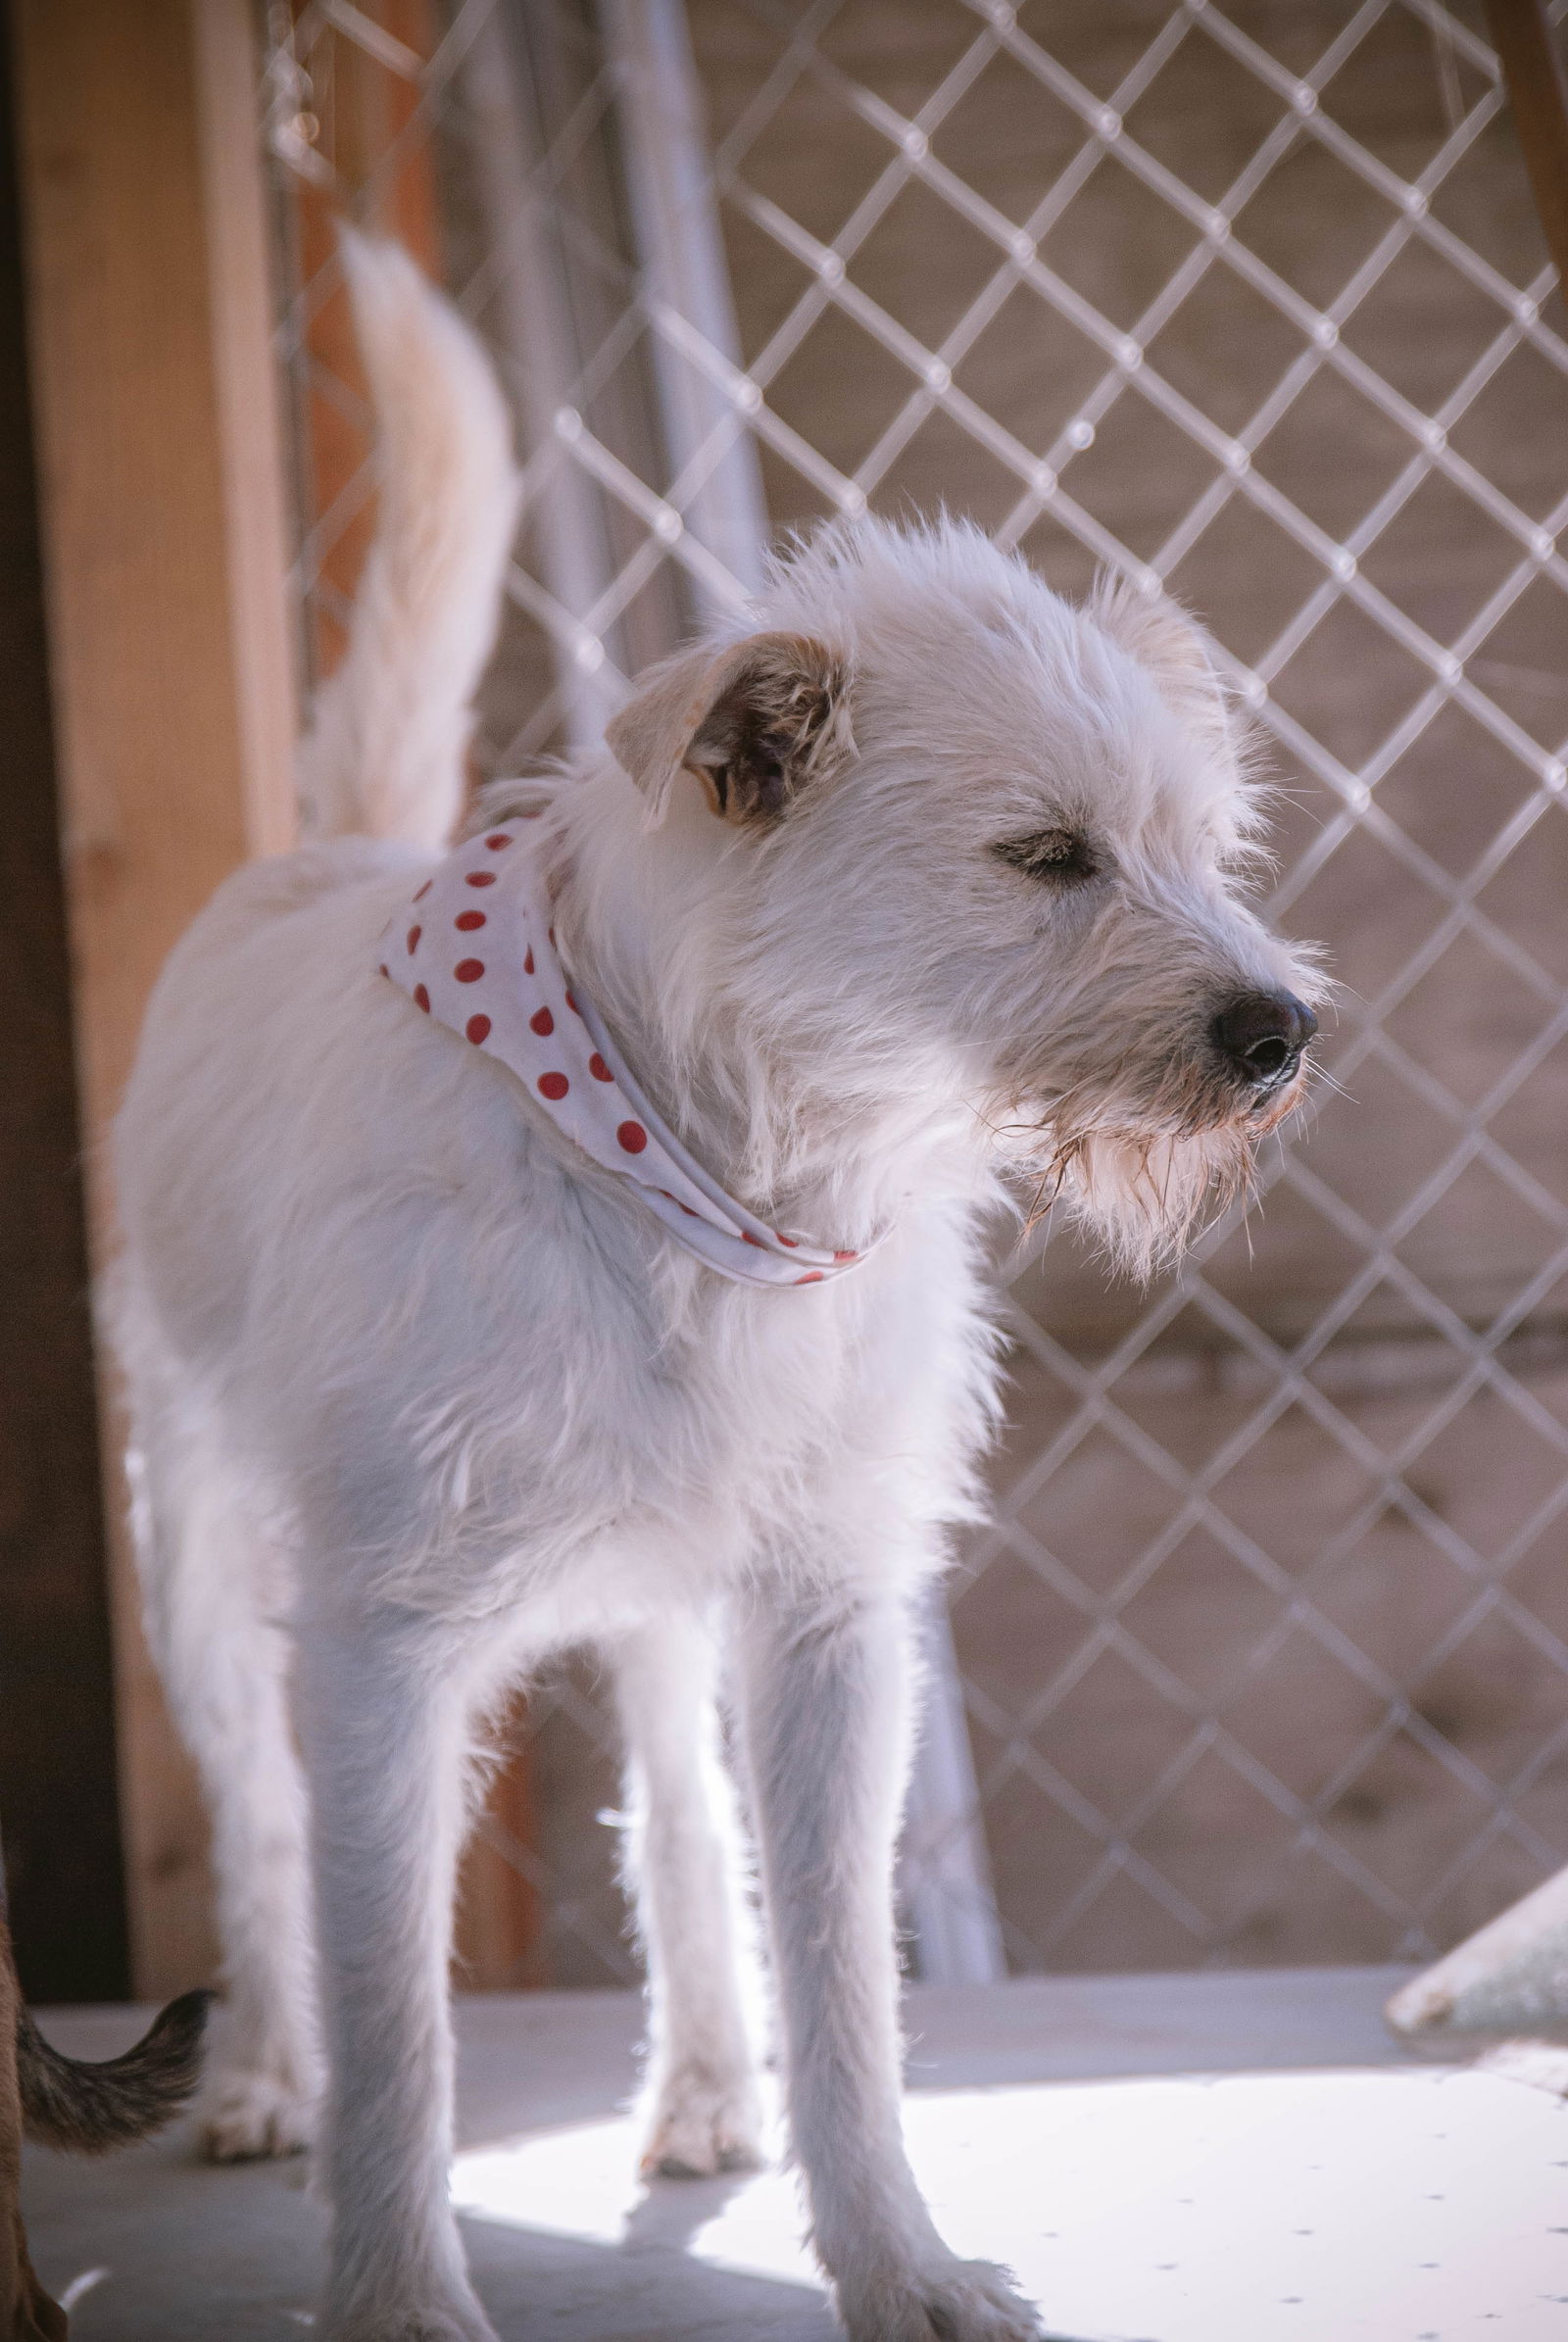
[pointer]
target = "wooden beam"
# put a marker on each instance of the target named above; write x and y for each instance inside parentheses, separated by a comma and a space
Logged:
(57, 1747)
(1538, 91)
(163, 536)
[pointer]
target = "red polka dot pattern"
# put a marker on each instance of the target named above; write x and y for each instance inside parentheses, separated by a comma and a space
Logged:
(512, 1004)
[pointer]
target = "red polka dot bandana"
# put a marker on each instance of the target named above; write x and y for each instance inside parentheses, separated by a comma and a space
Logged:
(476, 949)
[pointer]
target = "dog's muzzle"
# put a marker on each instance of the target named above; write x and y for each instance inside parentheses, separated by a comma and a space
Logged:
(1261, 1034)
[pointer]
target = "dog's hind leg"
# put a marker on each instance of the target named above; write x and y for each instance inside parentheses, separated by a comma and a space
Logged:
(383, 1708)
(214, 1590)
(683, 1865)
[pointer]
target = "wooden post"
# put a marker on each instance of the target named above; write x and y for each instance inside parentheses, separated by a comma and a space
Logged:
(1538, 91)
(57, 1743)
(163, 536)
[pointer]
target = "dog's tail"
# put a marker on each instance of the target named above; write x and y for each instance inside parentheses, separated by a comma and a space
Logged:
(88, 2108)
(383, 755)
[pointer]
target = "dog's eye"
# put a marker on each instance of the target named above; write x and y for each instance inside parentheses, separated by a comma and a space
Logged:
(1060, 857)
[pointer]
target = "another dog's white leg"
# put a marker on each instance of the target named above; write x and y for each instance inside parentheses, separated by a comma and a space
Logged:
(827, 1702)
(210, 1580)
(684, 1866)
(383, 1719)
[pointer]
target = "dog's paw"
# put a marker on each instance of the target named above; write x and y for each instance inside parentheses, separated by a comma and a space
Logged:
(376, 2295)
(439, 2324)
(957, 2300)
(701, 2126)
(411, 2326)
(243, 2117)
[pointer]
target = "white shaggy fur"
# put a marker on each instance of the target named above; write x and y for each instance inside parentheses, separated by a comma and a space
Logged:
(386, 749)
(419, 1395)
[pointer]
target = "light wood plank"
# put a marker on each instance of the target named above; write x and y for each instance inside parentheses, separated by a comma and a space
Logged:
(164, 537)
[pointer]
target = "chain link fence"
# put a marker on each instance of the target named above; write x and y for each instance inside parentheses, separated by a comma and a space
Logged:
(1265, 1654)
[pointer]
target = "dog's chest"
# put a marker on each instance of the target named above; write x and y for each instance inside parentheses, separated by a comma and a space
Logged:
(759, 1425)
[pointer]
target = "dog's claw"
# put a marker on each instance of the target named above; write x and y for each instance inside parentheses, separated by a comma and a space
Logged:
(700, 2129)
(411, 2326)
(966, 2300)
(248, 2118)
(702, 2163)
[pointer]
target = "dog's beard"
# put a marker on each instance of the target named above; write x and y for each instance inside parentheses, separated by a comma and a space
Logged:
(1143, 1184)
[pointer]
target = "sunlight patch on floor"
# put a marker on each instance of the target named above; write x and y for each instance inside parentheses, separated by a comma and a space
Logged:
(1368, 2206)
(578, 2183)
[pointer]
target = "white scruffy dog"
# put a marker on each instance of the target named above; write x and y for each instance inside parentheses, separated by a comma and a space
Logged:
(915, 874)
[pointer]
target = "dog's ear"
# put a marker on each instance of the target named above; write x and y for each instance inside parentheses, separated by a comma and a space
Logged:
(753, 721)
(1176, 650)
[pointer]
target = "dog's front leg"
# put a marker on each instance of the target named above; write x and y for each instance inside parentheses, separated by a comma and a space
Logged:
(382, 1717)
(826, 1703)
(683, 1864)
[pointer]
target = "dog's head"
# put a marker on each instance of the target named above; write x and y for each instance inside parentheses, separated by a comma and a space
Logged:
(977, 844)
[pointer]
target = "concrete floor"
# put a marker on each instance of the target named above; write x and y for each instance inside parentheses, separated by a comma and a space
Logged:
(1162, 2158)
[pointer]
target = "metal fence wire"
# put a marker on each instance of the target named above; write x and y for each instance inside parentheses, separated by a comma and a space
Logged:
(1264, 1656)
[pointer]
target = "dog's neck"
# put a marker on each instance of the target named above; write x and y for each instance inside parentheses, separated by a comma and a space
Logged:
(832, 1143)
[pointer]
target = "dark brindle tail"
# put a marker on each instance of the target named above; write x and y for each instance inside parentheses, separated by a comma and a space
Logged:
(88, 2108)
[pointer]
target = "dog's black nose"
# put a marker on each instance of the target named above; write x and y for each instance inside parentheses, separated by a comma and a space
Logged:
(1262, 1035)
